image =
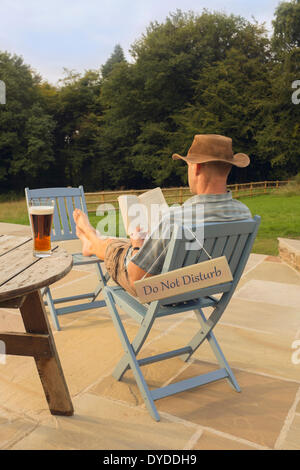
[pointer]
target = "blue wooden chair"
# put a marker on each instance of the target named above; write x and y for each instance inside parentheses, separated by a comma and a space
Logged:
(231, 239)
(66, 200)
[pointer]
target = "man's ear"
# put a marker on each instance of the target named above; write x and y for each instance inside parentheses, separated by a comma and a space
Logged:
(198, 168)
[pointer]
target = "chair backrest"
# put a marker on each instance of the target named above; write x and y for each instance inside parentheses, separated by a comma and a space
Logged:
(234, 240)
(66, 200)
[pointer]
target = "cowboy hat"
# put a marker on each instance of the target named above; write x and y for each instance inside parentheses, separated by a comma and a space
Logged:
(213, 148)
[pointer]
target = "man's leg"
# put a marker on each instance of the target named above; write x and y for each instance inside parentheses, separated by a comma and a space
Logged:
(112, 251)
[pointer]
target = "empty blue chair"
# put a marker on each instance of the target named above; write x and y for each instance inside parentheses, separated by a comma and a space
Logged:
(234, 240)
(66, 200)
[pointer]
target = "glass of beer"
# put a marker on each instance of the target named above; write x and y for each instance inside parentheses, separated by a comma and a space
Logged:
(41, 216)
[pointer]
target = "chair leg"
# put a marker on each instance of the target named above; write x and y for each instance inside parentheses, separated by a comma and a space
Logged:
(137, 343)
(131, 358)
(196, 341)
(103, 278)
(216, 350)
(54, 312)
(52, 308)
(222, 361)
(218, 353)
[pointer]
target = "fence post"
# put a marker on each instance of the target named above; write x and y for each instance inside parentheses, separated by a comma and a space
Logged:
(237, 190)
(265, 188)
(277, 184)
(251, 187)
(180, 196)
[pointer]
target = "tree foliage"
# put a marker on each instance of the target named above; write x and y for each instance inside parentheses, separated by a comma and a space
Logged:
(117, 127)
(116, 58)
(26, 128)
(286, 25)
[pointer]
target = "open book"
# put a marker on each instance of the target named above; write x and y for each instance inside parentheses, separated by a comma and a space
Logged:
(144, 210)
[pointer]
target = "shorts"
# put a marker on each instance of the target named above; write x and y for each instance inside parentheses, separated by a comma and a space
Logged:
(114, 261)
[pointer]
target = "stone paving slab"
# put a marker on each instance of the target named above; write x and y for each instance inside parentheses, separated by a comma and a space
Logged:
(88, 349)
(254, 260)
(257, 414)
(289, 251)
(260, 316)
(214, 441)
(100, 423)
(13, 427)
(244, 314)
(83, 282)
(156, 375)
(274, 272)
(292, 439)
(276, 293)
(11, 320)
(71, 277)
(20, 387)
(259, 400)
(253, 349)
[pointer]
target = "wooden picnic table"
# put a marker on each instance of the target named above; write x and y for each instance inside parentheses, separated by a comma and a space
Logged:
(21, 278)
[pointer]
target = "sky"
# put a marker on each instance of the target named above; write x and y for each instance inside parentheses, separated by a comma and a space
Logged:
(81, 34)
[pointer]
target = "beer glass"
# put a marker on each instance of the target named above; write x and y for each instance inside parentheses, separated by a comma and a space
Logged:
(41, 216)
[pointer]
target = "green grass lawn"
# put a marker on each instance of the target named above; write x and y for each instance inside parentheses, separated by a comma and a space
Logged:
(14, 212)
(110, 224)
(280, 218)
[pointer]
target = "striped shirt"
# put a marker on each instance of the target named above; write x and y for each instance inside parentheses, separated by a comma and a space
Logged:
(195, 211)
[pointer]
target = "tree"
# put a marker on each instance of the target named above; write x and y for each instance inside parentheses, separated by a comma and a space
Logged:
(116, 57)
(38, 154)
(286, 34)
(279, 138)
(78, 113)
(229, 99)
(122, 114)
(26, 130)
(161, 95)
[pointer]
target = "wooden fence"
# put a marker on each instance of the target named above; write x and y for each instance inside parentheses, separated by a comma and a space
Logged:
(180, 195)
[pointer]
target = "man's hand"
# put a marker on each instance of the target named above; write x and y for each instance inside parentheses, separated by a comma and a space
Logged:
(135, 273)
(137, 238)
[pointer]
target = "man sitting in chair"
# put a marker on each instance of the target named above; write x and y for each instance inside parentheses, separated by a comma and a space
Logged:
(209, 159)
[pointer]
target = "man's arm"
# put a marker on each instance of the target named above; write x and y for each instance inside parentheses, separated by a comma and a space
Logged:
(149, 260)
(135, 273)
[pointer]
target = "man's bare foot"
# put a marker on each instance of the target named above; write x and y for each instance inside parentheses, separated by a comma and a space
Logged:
(91, 243)
(86, 244)
(82, 222)
(84, 231)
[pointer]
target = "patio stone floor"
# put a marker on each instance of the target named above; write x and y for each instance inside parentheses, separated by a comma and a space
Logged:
(260, 337)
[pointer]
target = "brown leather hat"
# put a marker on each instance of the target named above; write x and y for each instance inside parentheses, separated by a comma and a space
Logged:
(213, 148)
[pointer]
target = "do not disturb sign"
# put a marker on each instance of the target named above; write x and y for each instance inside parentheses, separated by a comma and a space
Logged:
(190, 278)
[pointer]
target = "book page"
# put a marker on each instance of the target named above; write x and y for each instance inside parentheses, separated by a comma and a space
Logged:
(126, 202)
(144, 210)
(155, 206)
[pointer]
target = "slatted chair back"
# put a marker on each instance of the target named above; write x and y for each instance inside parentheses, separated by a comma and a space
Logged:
(63, 228)
(233, 240)
(66, 200)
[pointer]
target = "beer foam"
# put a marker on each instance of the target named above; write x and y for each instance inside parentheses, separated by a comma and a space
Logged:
(41, 210)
